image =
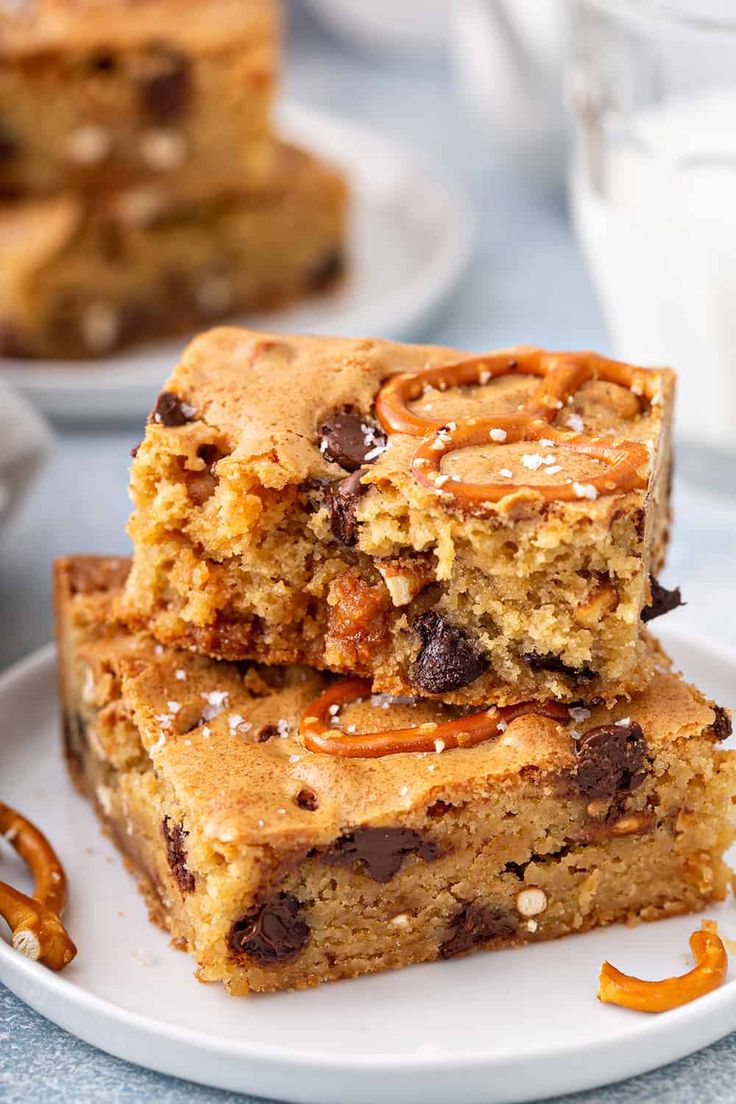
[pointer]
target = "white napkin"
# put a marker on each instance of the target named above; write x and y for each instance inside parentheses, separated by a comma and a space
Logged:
(25, 442)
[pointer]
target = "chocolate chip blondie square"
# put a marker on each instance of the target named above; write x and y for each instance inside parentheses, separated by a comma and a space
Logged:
(84, 278)
(476, 529)
(98, 95)
(290, 828)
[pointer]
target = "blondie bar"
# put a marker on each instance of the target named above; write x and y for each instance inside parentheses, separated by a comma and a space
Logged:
(82, 280)
(290, 828)
(98, 95)
(477, 529)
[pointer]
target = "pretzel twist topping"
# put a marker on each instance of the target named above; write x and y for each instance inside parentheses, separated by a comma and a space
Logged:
(660, 996)
(560, 375)
(37, 931)
(320, 735)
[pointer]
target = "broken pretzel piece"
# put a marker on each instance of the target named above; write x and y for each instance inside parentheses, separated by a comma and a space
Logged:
(660, 996)
(36, 930)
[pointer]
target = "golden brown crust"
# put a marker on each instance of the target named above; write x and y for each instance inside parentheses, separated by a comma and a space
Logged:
(281, 868)
(517, 577)
(241, 383)
(244, 789)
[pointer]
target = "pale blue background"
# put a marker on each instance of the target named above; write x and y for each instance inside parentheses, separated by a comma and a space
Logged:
(527, 283)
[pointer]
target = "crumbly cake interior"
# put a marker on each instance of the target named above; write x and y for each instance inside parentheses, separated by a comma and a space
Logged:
(176, 264)
(252, 540)
(277, 867)
(104, 96)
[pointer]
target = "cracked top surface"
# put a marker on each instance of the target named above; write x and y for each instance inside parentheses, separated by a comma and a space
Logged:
(30, 27)
(202, 723)
(263, 397)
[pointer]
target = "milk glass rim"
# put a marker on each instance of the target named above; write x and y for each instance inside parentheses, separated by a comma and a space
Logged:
(662, 12)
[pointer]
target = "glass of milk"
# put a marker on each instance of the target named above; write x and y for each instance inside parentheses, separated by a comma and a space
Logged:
(653, 186)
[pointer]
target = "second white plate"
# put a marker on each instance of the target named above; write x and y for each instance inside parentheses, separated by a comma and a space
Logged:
(409, 241)
(501, 1027)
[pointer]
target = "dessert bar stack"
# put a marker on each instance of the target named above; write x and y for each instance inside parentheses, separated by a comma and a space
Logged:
(377, 687)
(144, 189)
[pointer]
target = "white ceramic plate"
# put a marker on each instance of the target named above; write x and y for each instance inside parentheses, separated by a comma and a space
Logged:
(507, 1026)
(25, 442)
(409, 242)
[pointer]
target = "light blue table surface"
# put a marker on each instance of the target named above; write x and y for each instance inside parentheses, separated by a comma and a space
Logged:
(526, 283)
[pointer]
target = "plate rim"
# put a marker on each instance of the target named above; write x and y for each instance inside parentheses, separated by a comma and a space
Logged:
(262, 1057)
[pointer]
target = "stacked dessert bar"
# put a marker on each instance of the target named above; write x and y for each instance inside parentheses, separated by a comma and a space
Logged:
(143, 188)
(377, 687)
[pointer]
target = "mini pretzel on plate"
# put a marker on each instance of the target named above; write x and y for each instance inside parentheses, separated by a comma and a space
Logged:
(37, 931)
(709, 972)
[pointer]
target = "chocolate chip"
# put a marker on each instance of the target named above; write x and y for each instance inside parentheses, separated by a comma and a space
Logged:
(103, 62)
(176, 853)
(517, 869)
(274, 932)
(329, 269)
(722, 727)
(166, 91)
(307, 799)
(663, 600)
(210, 454)
(341, 499)
(381, 851)
(134, 450)
(313, 491)
(611, 759)
(348, 439)
(477, 923)
(170, 410)
(438, 809)
(549, 662)
(266, 733)
(201, 485)
(448, 659)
